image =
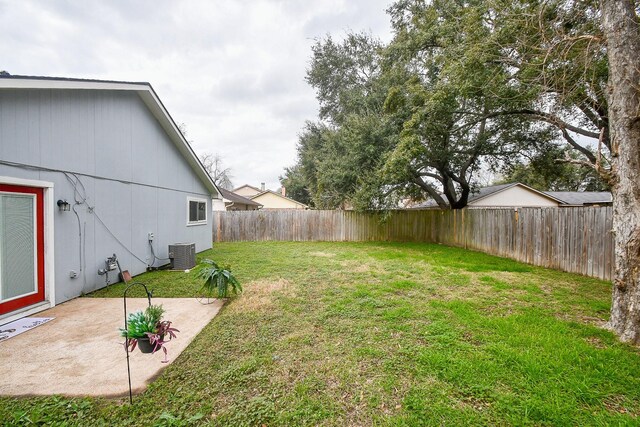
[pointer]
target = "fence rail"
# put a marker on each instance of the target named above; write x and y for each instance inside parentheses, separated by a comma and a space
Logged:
(577, 240)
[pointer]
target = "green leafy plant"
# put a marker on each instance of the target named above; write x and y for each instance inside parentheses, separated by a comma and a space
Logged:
(218, 280)
(139, 323)
(148, 324)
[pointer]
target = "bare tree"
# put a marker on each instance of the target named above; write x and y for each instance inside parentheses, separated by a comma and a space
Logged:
(212, 163)
(220, 175)
(622, 33)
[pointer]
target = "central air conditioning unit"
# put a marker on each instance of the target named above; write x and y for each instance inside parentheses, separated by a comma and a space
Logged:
(182, 256)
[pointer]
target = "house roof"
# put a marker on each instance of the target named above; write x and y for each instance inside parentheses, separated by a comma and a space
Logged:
(581, 197)
(494, 189)
(566, 198)
(483, 192)
(236, 198)
(279, 195)
(248, 186)
(143, 89)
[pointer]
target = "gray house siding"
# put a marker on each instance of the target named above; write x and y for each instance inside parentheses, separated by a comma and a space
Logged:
(133, 177)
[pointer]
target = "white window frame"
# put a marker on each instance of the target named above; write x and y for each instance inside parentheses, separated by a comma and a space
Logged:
(206, 214)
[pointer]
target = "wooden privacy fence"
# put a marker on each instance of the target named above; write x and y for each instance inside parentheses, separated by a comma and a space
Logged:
(578, 240)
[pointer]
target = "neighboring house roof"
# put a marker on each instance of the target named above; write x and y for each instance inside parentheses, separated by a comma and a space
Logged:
(494, 189)
(248, 186)
(236, 198)
(143, 89)
(278, 195)
(481, 193)
(565, 198)
(582, 197)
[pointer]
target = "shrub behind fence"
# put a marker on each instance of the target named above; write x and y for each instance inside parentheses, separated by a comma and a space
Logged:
(578, 240)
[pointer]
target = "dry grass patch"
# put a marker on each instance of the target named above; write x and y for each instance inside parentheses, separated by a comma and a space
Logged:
(509, 277)
(471, 402)
(322, 254)
(619, 404)
(260, 295)
(596, 342)
(585, 320)
(461, 288)
(361, 267)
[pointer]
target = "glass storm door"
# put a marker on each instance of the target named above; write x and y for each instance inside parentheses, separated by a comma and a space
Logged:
(21, 247)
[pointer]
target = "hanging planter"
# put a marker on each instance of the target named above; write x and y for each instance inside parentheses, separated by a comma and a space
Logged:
(147, 331)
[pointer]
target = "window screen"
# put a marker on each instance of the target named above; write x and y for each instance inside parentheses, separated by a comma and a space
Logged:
(202, 211)
(17, 246)
(197, 211)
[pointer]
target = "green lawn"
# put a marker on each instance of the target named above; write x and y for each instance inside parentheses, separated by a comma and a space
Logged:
(339, 334)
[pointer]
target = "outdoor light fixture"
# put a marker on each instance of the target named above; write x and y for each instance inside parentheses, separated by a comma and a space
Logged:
(64, 206)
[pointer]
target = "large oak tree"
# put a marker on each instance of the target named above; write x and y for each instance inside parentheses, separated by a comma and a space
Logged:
(471, 84)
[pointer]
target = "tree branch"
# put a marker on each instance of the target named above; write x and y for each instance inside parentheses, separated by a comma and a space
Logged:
(541, 115)
(588, 154)
(431, 175)
(579, 162)
(431, 192)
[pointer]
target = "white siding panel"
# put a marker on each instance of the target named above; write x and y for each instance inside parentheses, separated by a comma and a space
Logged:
(113, 135)
(145, 220)
(32, 143)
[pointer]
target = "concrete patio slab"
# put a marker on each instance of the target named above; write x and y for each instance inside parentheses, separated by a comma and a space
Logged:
(80, 353)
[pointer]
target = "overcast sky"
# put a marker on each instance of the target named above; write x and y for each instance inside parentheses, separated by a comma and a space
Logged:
(232, 71)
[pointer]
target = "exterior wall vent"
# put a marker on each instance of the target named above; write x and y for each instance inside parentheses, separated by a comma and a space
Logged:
(182, 256)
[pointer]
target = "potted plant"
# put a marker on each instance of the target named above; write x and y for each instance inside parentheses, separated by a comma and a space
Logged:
(148, 331)
(218, 281)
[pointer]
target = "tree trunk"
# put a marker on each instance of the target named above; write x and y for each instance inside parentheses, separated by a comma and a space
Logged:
(622, 34)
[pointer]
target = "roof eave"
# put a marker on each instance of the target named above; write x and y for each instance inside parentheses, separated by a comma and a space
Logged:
(146, 93)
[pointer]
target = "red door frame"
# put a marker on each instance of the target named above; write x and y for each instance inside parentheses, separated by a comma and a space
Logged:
(15, 304)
